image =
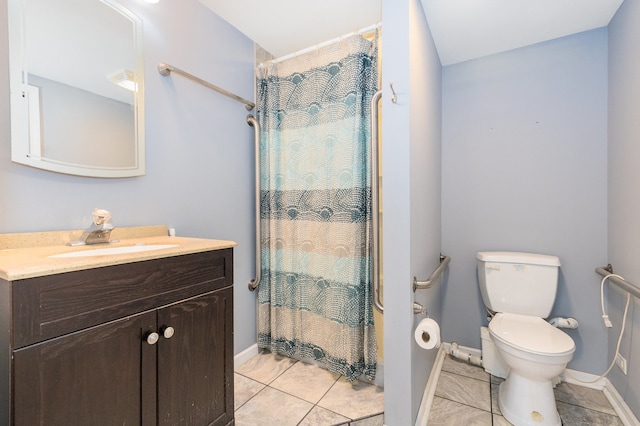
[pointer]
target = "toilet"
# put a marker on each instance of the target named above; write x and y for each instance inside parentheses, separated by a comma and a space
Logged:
(519, 289)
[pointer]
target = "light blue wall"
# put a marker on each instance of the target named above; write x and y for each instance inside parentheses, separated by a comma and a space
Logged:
(411, 196)
(525, 169)
(199, 148)
(398, 320)
(624, 195)
(425, 181)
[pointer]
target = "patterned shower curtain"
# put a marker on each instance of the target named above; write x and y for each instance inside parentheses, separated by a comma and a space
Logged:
(315, 301)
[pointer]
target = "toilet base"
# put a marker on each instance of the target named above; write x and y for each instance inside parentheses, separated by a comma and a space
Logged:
(527, 402)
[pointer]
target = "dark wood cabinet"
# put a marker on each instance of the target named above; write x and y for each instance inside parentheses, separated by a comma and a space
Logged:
(92, 377)
(141, 343)
(189, 384)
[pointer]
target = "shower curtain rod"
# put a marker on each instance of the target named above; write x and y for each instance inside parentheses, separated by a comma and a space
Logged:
(166, 69)
(326, 43)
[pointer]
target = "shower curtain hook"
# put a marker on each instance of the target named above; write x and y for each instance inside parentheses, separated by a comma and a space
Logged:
(394, 98)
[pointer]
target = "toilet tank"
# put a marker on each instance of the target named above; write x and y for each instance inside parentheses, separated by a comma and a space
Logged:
(518, 283)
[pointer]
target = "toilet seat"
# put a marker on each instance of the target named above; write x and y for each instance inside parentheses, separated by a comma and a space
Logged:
(530, 334)
(535, 352)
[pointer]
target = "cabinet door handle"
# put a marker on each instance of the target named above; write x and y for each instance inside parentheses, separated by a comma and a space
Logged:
(168, 332)
(152, 338)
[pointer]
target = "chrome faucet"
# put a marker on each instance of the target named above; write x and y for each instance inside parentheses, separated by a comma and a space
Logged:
(98, 232)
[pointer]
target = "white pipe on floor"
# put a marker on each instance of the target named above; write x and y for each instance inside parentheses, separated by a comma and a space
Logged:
(560, 322)
(458, 353)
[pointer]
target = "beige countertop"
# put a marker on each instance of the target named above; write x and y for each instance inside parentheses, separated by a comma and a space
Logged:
(28, 255)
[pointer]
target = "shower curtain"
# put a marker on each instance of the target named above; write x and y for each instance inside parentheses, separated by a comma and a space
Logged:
(314, 301)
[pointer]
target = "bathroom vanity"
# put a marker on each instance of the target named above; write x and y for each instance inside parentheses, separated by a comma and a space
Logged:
(131, 338)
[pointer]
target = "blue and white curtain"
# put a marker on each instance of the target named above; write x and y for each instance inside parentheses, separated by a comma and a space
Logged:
(315, 301)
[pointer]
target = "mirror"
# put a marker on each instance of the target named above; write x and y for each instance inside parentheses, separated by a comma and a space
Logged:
(76, 79)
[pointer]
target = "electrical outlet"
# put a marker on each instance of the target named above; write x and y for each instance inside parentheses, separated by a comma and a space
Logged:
(621, 363)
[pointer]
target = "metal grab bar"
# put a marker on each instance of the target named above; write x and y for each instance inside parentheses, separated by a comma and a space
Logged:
(375, 205)
(421, 285)
(254, 283)
(632, 288)
(166, 69)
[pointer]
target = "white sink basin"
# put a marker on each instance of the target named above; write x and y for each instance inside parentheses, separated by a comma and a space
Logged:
(115, 250)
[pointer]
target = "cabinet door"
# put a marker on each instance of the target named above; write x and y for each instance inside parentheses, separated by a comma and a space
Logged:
(195, 365)
(91, 377)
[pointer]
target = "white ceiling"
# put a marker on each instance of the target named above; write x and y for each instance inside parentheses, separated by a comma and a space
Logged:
(462, 29)
(468, 29)
(286, 26)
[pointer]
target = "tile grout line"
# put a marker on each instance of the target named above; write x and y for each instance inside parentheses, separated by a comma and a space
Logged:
(594, 410)
(492, 383)
(325, 394)
(466, 405)
(320, 399)
(494, 413)
(468, 377)
(348, 421)
(316, 404)
(253, 396)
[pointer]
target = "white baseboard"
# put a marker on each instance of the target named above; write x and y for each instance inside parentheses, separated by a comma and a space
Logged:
(245, 355)
(603, 384)
(617, 402)
(583, 379)
(432, 382)
(430, 389)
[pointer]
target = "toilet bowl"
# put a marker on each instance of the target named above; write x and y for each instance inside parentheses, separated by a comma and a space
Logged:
(535, 353)
(520, 288)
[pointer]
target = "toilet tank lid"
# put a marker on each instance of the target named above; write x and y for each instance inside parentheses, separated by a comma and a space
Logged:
(518, 257)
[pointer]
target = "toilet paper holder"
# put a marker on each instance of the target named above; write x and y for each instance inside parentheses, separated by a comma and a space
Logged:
(419, 309)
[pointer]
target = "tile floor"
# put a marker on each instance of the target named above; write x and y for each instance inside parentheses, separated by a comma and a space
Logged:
(467, 395)
(275, 390)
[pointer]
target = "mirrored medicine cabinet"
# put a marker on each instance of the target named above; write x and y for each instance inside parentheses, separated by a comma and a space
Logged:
(76, 83)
